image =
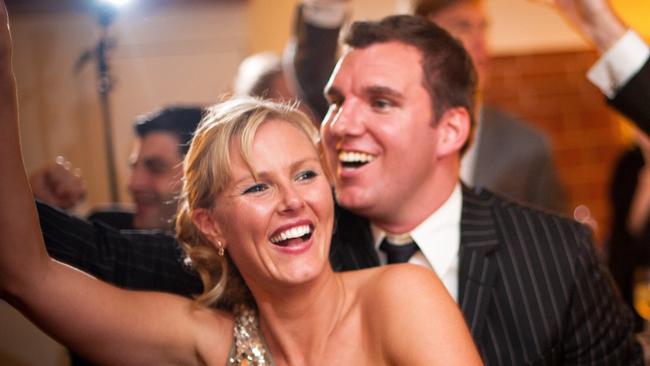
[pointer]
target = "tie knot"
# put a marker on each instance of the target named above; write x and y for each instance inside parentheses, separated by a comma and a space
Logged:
(398, 249)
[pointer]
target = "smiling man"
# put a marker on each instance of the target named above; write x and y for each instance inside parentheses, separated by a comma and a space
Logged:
(162, 140)
(529, 283)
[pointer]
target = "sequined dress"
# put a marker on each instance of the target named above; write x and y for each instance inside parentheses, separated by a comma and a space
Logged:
(248, 347)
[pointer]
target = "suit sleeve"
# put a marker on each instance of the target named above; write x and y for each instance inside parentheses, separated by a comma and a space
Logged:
(600, 327)
(129, 259)
(313, 52)
(632, 99)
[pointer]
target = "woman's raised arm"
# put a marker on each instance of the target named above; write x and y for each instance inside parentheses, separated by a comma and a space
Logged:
(99, 321)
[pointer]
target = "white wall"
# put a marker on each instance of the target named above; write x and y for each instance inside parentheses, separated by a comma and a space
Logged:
(172, 55)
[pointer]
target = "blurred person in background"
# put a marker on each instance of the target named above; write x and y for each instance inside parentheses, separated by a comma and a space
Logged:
(629, 242)
(162, 140)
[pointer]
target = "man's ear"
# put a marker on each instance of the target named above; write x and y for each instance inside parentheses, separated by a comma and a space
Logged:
(453, 131)
(204, 220)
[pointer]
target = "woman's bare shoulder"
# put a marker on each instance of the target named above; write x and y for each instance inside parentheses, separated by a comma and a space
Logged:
(214, 332)
(382, 290)
(395, 277)
(414, 318)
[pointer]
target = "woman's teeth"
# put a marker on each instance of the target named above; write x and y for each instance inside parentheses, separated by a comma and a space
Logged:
(293, 233)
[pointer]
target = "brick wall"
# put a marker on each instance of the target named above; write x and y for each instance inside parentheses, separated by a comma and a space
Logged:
(550, 91)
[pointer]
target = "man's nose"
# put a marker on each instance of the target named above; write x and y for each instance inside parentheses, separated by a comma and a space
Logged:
(137, 180)
(345, 120)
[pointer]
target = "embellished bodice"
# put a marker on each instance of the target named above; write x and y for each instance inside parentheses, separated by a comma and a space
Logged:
(248, 347)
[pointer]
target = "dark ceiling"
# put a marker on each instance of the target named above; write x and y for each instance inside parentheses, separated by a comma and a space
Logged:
(48, 6)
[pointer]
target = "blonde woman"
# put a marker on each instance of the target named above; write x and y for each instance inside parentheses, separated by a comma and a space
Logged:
(256, 219)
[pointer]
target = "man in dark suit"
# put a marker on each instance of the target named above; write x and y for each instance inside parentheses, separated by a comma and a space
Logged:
(529, 283)
(401, 107)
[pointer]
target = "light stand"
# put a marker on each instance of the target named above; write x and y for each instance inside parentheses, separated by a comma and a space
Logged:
(106, 14)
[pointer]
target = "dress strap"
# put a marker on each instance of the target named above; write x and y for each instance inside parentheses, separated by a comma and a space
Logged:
(249, 348)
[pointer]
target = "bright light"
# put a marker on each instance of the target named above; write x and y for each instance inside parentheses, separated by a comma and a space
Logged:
(115, 3)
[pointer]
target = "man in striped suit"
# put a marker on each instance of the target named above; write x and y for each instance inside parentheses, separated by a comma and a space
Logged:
(401, 109)
(529, 283)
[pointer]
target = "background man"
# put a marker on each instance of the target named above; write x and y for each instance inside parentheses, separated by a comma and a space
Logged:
(162, 140)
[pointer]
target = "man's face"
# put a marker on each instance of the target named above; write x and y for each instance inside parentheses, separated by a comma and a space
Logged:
(379, 136)
(466, 21)
(155, 181)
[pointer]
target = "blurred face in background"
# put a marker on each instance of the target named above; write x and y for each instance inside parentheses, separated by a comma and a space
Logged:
(466, 20)
(155, 181)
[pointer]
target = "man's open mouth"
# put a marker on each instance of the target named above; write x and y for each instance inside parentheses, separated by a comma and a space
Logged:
(354, 159)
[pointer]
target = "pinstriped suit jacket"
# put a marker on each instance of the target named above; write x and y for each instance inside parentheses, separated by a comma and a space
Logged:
(531, 287)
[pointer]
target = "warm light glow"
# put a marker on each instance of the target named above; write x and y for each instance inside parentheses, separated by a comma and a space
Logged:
(114, 2)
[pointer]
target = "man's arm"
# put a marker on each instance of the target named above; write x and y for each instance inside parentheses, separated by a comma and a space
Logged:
(129, 259)
(313, 49)
(632, 98)
(623, 72)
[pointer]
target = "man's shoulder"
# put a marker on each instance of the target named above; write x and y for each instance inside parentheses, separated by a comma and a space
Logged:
(119, 218)
(508, 214)
(525, 239)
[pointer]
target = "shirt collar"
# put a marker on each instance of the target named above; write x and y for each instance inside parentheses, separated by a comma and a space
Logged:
(438, 236)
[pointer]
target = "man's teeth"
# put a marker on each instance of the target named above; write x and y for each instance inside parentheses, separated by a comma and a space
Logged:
(293, 233)
(355, 157)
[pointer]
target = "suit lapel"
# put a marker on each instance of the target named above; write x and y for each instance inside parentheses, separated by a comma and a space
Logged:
(477, 269)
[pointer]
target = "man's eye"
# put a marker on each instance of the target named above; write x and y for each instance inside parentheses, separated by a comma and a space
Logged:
(306, 175)
(260, 187)
(381, 104)
(158, 170)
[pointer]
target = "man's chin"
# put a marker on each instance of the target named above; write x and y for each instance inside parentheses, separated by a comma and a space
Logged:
(150, 222)
(355, 199)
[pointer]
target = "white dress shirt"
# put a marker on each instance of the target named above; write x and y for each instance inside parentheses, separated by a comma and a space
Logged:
(619, 64)
(438, 238)
(325, 14)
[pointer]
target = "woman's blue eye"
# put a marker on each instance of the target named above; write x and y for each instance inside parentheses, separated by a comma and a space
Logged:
(255, 188)
(308, 174)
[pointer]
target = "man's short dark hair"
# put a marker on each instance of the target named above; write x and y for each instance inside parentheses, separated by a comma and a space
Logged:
(180, 121)
(448, 73)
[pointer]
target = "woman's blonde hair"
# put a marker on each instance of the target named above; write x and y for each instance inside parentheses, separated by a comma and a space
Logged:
(206, 174)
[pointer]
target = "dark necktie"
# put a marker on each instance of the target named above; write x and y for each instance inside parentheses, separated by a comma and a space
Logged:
(398, 253)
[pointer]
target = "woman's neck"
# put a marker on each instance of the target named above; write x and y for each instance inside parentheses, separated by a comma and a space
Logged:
(297, 321)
